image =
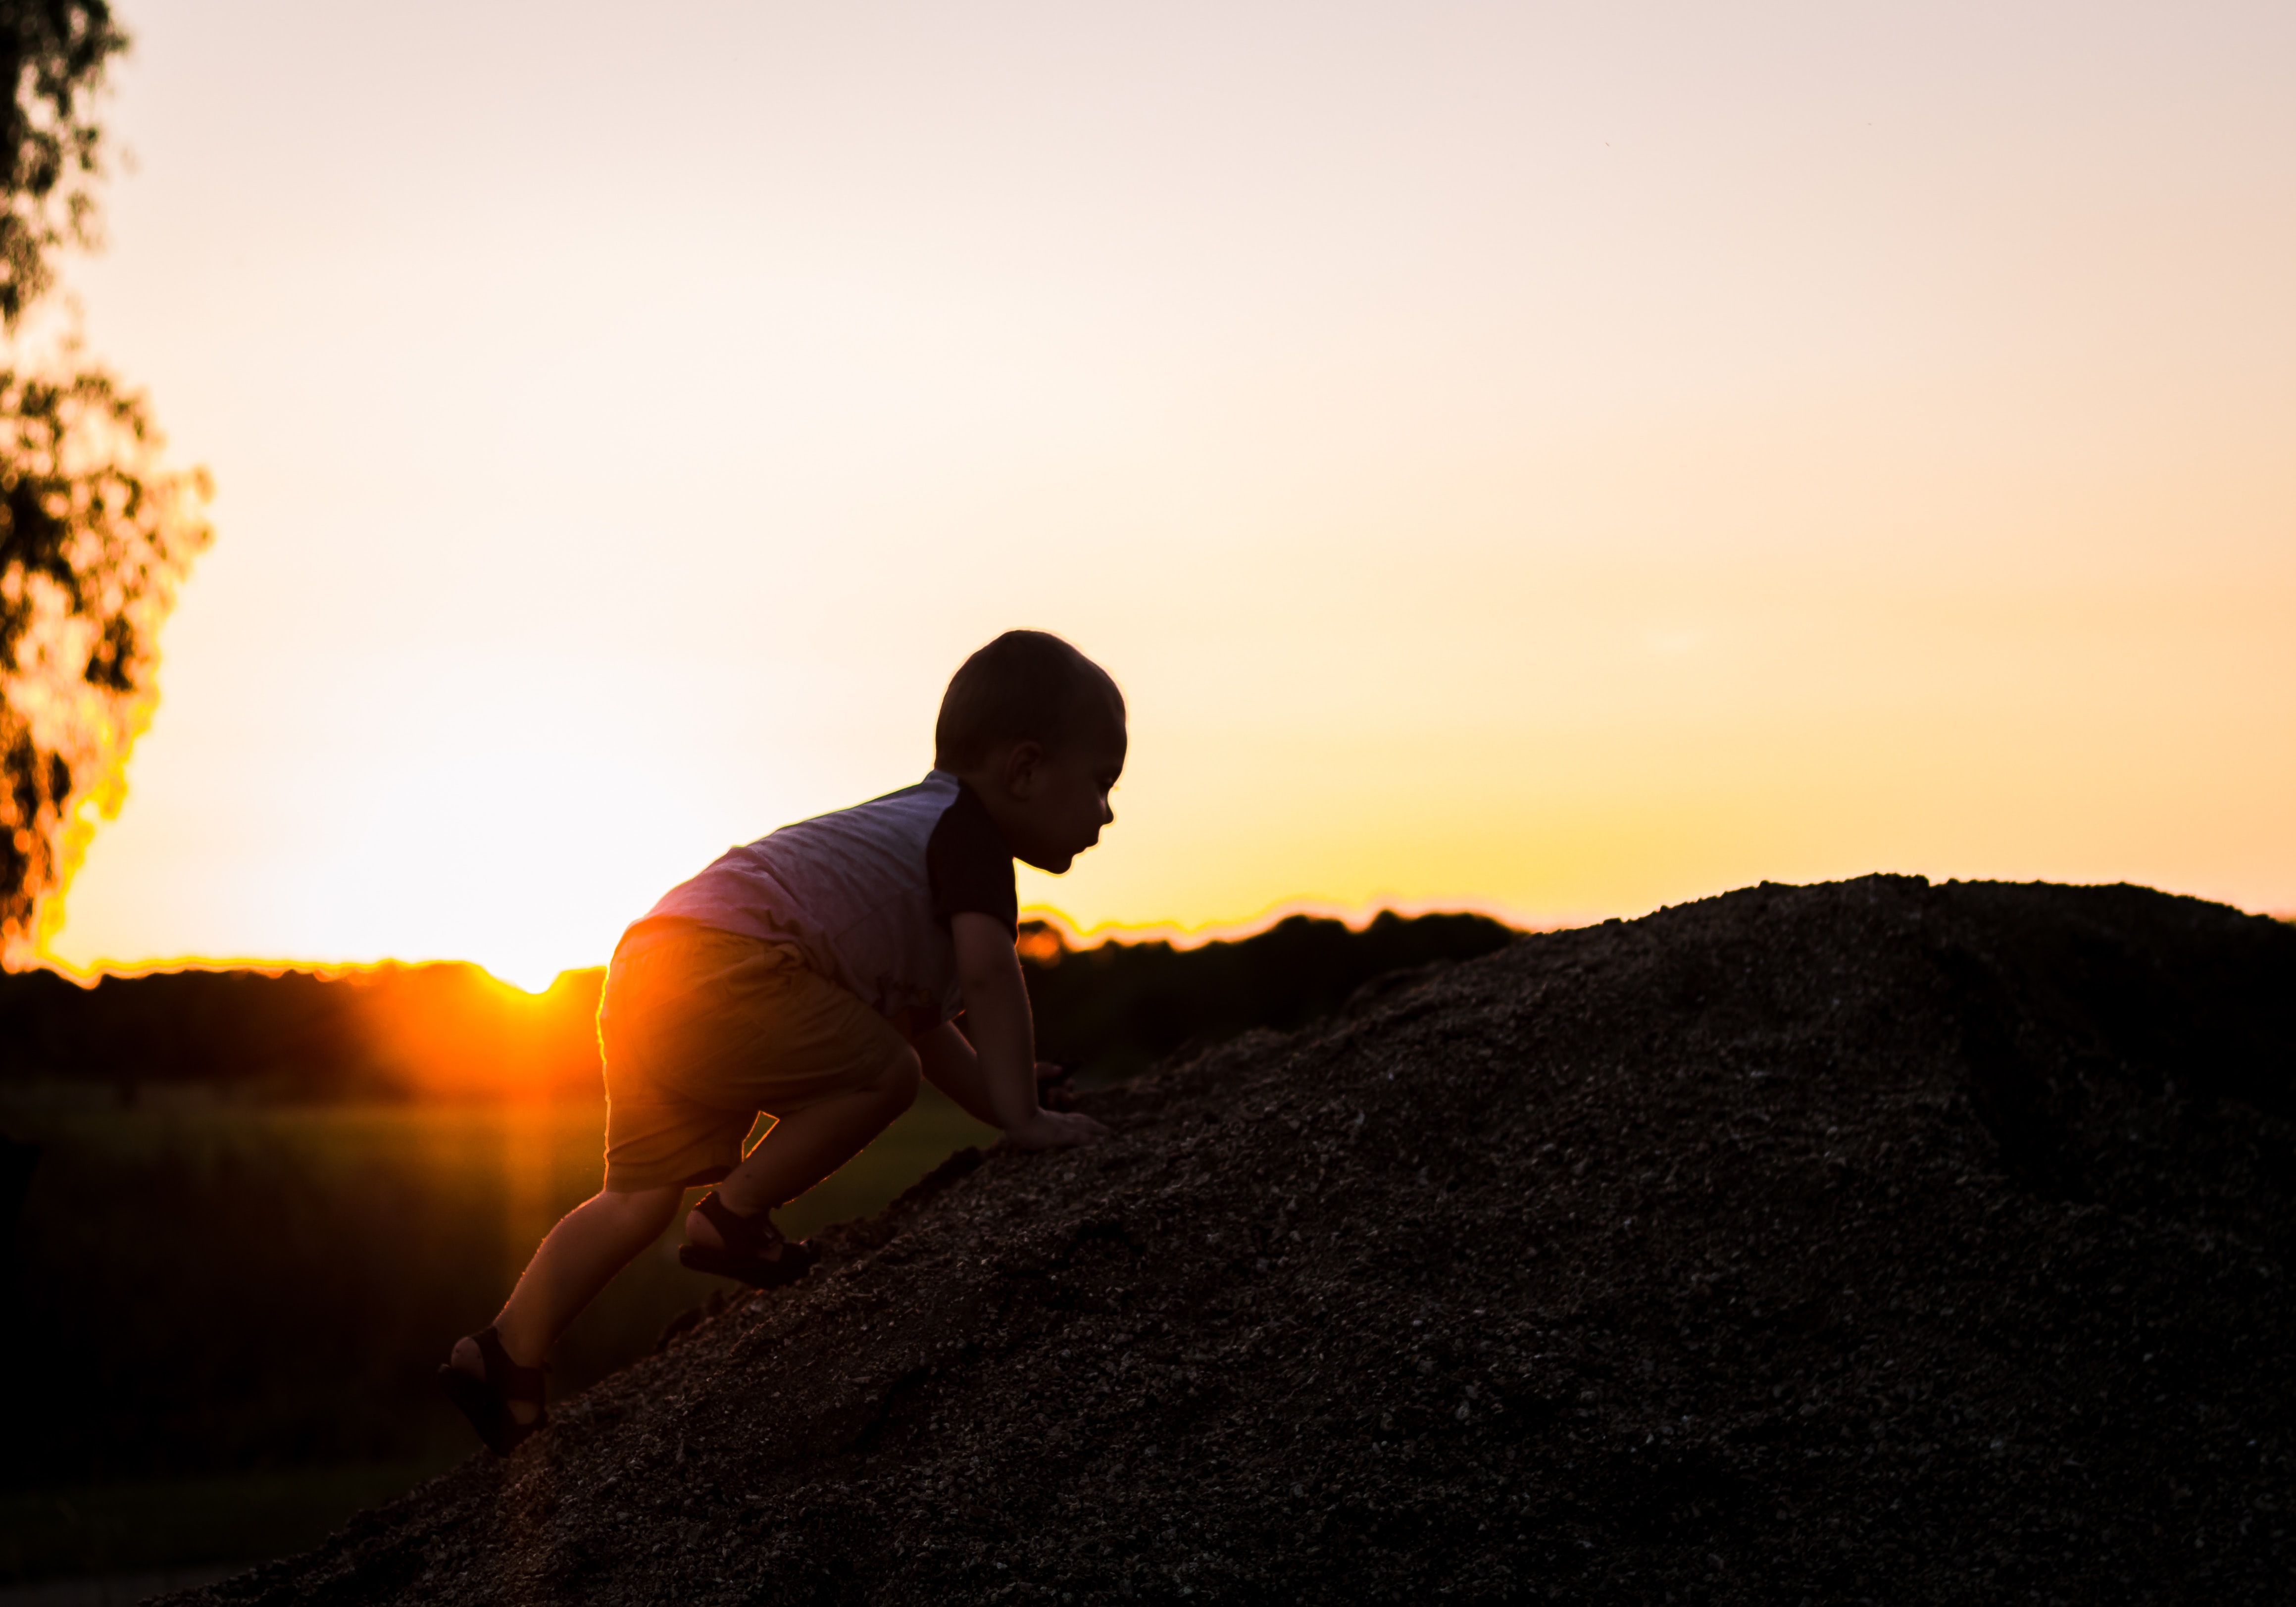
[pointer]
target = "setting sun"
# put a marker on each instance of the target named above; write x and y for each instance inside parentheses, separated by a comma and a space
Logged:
(1597, 468)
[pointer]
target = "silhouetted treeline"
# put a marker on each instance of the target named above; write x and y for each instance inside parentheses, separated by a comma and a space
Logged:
(396, 1031)
(1114, 1010)
(452, 1030)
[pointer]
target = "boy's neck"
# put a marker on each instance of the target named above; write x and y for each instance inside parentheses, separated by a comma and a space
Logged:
(987, 784)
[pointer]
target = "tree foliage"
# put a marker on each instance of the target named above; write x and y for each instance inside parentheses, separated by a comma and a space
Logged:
(54, 53)
(95, 531)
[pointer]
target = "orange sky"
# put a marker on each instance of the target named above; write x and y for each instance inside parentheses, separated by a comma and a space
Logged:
(1559, 460)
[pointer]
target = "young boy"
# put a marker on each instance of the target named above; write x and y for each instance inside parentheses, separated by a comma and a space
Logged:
(812, 975)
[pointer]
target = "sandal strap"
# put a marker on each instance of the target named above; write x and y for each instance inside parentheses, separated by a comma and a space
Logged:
(750, 1236)
(504, 1377)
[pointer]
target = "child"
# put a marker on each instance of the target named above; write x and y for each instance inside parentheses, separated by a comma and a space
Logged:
(813, 975)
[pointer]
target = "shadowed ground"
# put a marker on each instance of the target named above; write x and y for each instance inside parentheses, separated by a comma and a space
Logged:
(1872, 1240)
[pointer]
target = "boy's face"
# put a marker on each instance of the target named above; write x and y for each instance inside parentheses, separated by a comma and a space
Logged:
(1050, 805)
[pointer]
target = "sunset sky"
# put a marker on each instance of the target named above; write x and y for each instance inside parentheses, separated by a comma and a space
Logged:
(1554, 459)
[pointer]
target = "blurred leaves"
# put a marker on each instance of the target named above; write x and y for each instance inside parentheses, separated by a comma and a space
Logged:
(94, 532)
(93, 538)
(55, 54)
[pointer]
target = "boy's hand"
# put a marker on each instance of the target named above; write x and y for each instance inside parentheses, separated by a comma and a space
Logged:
(996, 1017)
(1055, 1086)
(1054, 1130)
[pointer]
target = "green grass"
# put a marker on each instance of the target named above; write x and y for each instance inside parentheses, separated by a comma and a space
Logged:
(232, 1313)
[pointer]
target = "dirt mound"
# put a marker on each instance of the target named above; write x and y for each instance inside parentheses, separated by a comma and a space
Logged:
(1872, 1240)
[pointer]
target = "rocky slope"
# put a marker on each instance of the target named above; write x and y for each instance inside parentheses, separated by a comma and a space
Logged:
(1869, 1242)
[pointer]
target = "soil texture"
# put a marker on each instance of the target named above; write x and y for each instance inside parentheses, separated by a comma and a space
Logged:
(1873, 1241)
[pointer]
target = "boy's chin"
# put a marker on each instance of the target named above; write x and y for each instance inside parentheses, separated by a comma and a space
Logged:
(1054, 863)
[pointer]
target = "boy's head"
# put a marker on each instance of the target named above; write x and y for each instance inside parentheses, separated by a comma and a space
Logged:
(1027, 686)
(1037, 729)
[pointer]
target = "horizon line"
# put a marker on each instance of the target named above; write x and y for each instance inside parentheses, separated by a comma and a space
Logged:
(1074, 937)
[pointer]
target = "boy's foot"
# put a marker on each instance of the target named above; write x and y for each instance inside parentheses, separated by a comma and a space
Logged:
(501, 1399)
(467, 1357)
(724, 1243)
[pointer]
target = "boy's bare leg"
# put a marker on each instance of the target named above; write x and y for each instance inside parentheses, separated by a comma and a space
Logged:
(807, 1144)
(590, 1244)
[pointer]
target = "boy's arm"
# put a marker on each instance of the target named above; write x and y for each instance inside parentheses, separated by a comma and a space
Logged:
(997, 1008)
(951, 1066)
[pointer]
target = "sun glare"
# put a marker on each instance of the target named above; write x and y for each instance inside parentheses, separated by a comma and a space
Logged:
(1549, 484)
(528, 973)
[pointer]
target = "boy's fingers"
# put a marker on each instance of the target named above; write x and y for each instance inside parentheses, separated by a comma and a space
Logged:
(1060, 1131)
(1055, 1090)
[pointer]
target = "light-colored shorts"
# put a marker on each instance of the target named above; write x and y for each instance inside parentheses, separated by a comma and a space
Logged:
(701, 1029)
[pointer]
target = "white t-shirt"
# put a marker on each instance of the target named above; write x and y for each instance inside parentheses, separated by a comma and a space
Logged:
(866, 894)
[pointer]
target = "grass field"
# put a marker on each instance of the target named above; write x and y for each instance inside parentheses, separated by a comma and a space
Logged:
(223, 1317)
(230, 1313)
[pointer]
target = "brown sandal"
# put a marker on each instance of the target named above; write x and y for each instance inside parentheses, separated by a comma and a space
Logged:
(485, 1401)
(747, 1240)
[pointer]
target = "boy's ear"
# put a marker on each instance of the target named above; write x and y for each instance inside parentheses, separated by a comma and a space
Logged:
(1023, 764)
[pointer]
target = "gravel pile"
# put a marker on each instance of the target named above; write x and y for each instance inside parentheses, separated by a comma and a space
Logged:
(1871, 1242)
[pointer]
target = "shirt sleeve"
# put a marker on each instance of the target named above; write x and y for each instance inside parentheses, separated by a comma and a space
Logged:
(969, 865)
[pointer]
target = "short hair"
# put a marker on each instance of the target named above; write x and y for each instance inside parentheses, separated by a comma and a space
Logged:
(1027, 686)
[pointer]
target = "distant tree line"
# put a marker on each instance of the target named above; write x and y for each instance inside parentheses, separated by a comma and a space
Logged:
(451, 1030)
(1114, 1010)
(398, 1031)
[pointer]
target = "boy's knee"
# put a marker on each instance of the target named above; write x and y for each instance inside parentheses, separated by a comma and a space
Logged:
(643, 1206)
